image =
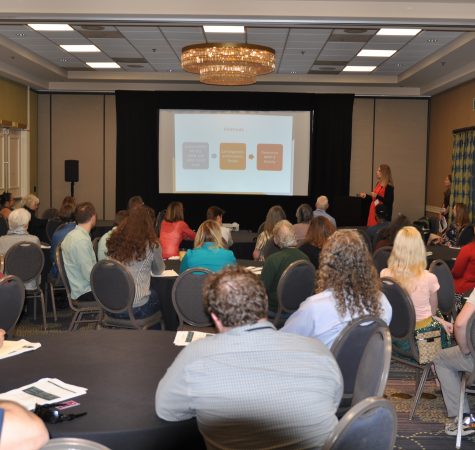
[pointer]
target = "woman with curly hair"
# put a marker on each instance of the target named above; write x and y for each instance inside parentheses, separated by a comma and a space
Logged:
(347, 288)
(135, 244)
(407, 265)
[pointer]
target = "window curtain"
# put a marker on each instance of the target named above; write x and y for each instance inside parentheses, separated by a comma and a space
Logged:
(463, 170)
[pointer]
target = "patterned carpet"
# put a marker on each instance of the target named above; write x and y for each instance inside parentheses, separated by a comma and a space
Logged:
(425, 431)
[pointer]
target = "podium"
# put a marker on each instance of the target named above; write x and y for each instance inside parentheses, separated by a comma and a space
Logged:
(350, 211)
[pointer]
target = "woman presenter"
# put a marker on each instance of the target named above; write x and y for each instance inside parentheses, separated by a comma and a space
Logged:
(383, 192)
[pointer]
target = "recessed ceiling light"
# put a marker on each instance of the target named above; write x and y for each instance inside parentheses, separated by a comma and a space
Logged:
(377, 53)
(223, 29)
(64, 59)
(80, 48)
(20, 34)
(103, 65)
(432, 41)
(50, 26)
(359, 68)
(398, 31)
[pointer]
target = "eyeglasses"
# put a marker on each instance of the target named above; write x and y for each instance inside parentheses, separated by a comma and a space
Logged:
(51, 414)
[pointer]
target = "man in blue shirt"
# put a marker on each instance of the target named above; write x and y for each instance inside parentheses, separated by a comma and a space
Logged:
(321, 206)
(78, 254)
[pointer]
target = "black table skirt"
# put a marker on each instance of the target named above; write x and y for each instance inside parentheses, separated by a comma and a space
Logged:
(121, 369)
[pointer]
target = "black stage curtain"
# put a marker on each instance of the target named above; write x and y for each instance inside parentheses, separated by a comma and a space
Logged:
(137, 150)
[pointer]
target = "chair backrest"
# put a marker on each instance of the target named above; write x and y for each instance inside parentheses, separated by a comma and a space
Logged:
(381, 256)
(269, 248)
(187, 297)
(3, 226)
(370, 424)
(366, 238)
(373, 369)
(348, 348)
(95, 244)
(113, 286)
(12, 298)
(159, 220)
(296, 283)
(403, 321)
(25, 260)
(51, 227)
(446, 292)
(70, 443)
(465, 236)
(58, 257)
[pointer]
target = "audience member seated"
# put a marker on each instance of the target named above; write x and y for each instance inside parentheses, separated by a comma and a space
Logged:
(321, 206)
(380, 213)
(78, 255)
(385, 238)
(304, 216)
(208, 252)
(448, 365)
(407, 265)
(20, 429)
(450, 236)
(18, 224)
(250, 386)
(135, 202)
(36, 226)
(135, 244)
(273, 216)
(6, 204)
(102, 245)
(276, 263)
(66, 215)
(50, 214)
(173, 230)
(348, 287)
(464, 269)
(319, 231)
(217, 213)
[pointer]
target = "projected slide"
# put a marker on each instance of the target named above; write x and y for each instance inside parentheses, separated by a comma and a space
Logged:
(226, 153)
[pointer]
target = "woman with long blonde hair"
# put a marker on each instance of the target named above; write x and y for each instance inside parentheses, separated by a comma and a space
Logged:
(209, 251)
(383, 193)
(348, 287)
(407, 265)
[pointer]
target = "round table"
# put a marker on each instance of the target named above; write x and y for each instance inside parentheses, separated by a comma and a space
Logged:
(121, 370)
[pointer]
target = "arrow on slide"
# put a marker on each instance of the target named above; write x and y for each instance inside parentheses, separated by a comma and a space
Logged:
(251, 156)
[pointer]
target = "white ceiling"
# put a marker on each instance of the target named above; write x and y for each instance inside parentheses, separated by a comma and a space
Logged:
(311, 49)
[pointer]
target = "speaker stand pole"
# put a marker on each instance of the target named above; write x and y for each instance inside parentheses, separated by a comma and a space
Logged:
(72, 188)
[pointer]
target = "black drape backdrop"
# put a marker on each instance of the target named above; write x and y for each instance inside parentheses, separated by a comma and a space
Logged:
(137, 150)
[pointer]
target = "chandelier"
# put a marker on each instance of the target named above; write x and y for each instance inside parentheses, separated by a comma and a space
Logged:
(228, 64)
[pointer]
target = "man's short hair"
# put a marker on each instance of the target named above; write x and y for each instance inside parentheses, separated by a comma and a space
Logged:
(18, 218)
(84, 212)
(322, 202)
(236, 296)
(284, 234)
(213, 212)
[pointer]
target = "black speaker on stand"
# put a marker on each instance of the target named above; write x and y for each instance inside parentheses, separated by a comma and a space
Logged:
(71, 172)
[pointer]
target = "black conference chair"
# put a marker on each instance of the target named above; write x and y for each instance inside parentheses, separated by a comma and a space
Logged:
(84, 312)
(402, 326)
(380, 258)
(51, 227)
(446, 292)
(25, 260)
(370, 424)
(187, 298)
(348, 349)
(296, 283)
(12, 300)
(466, 236)
(114, 289)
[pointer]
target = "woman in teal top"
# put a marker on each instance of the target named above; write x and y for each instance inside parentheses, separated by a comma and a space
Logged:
(209, 251)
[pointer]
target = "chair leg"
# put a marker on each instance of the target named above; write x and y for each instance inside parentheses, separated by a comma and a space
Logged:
(53, 301)
(73, 325)
(420, 387)
(43, 308)
(458, 442)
